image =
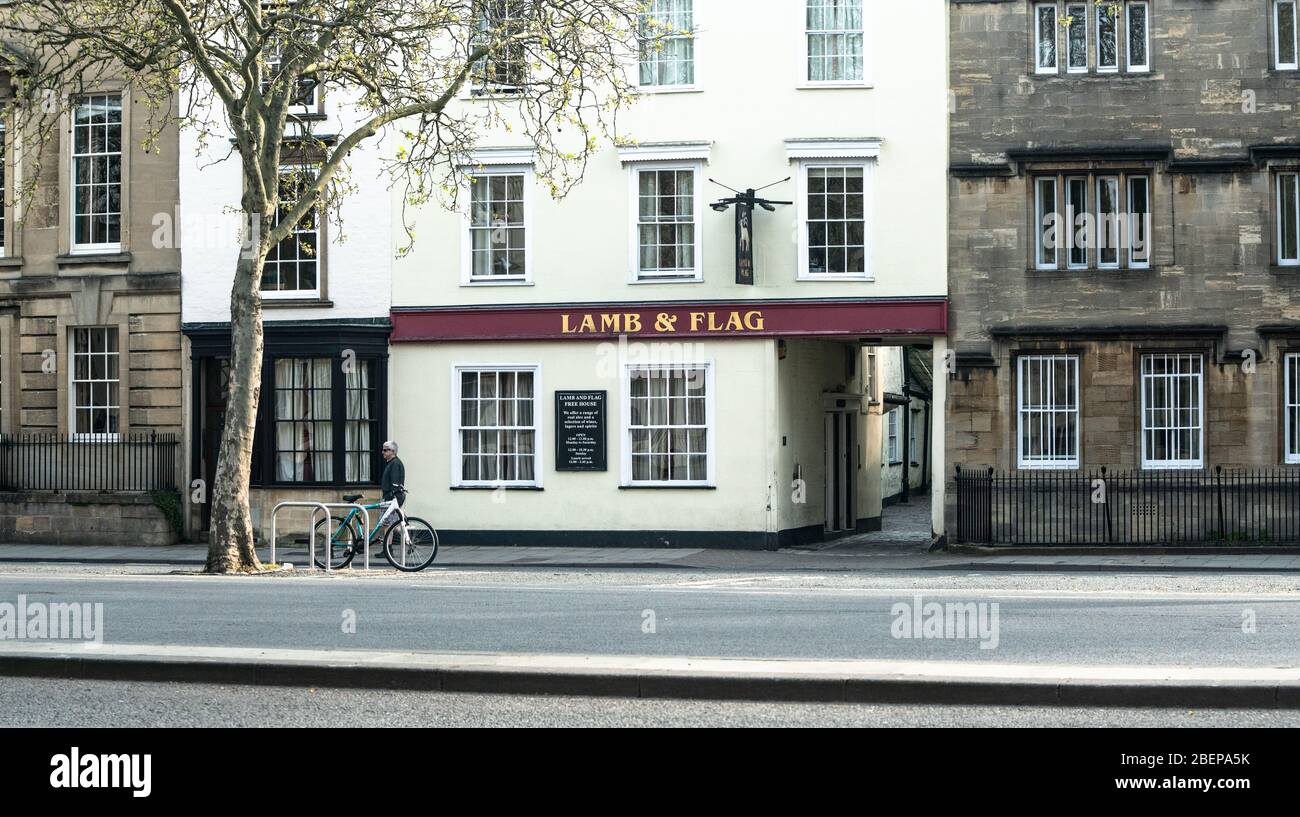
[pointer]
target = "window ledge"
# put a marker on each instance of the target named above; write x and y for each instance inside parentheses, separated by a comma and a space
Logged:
(11, 263)
(1285, 269)
(669, 89)
(291, 303)
(661, 281)
(856, 279)
(497, 284)
(834, 86)
(497, 488)
(1096, 270)
(97, 259)
(668, 487)
(1095, 75)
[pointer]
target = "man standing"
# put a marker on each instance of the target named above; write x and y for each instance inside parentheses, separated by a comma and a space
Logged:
(394, 480)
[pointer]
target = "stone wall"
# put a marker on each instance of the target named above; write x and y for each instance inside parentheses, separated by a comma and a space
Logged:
(120, 520)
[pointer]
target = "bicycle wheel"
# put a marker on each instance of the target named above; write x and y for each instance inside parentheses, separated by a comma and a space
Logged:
(343, 540)
(412, 545)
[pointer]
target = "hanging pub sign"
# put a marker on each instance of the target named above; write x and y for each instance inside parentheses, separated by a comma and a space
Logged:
(580, 431)
(745, 243)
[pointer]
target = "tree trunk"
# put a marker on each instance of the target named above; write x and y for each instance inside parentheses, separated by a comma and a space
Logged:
(230, 543)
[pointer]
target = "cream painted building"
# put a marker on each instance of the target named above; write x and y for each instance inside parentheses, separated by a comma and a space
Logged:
(598, 370)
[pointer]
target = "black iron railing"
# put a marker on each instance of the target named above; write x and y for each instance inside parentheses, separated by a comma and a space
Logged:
(124, 463)
(1229, 507)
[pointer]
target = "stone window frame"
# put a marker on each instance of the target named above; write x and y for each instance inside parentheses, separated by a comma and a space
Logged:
(1059, 463)
(10, 371)
(1092, 43)
(1275, 208)
(68, 226)
(1275, 32)
(1093, 173)
(1140, 354)
(123, 407)
(1291, 354)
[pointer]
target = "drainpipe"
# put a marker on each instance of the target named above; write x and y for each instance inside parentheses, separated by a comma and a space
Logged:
(906, 442)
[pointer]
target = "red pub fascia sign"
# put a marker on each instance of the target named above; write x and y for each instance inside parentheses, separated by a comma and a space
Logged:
(858, 318)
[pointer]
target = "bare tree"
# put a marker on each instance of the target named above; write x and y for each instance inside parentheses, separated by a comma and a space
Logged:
(556, 70)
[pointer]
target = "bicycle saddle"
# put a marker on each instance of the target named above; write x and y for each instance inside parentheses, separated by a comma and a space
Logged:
(352, 497)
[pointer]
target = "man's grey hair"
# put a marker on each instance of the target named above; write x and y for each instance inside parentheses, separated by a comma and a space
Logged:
(392, 445)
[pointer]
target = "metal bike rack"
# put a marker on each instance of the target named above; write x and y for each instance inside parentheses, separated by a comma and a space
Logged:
(323, 507)
(365, 525)
(311, 535)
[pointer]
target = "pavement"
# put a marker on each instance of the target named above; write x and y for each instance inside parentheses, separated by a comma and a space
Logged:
(124, 704)
(850, 554)
(656, 677)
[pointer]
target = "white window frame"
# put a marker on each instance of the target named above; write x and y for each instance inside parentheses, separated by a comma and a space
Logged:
(1130, 222)
(298, 294)
(539, 424)
(804, 81)
(914, 435)
(625, 425)
(1102, 225)
(467, 278)
(1073, 225)
(1145, 67)
(694, 37)
(1290, 405)
(74, 406)
(1121, 41)
(891, 436)
(1055, 67)
(1143, 377)
(5, 180)
(1279, 227)
(1041, 211)
(77, 248)
(1277, 35)
(694, 275)
(1051, 463)
(868, 187)
(1087, 60)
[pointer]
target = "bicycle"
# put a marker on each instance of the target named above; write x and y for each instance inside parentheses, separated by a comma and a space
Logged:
(410, 543)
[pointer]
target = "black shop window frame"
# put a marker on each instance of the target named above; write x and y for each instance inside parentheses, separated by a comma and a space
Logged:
(265, 452)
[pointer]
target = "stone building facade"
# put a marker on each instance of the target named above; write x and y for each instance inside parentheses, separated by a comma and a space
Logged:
(90, 345)
(1163, 334)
